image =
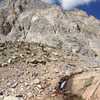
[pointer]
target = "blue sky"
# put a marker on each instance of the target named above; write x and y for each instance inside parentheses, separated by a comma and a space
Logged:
(92, 9)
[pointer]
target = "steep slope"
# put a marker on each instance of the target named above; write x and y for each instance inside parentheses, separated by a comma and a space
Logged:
(42, 47)
(49, 26)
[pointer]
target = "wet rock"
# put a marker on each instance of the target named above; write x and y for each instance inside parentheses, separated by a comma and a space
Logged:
(2, 48)
(39, 86)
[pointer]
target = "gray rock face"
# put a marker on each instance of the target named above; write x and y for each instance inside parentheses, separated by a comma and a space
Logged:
(71, 31)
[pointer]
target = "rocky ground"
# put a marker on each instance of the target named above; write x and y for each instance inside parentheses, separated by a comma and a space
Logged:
(46, 54)
(35, 70)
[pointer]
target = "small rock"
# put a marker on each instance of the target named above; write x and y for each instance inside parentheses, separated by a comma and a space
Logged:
(1, 97)
(14, 85)
(1, 93)
(26, 84)
(12, 98)
(4, 65)
(34, 61)
(29, 94)
(36, 81)
(21, 55)
(56, 70)
(21, 88)
(19, 96)
(2, 49)
(9, 61)
(55, 53)
(2, 44)
(0, 65)
(39, 86)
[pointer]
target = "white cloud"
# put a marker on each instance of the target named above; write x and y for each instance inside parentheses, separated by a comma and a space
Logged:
(70, 4)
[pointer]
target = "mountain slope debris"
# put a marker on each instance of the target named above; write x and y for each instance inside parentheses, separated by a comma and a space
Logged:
(46, 54)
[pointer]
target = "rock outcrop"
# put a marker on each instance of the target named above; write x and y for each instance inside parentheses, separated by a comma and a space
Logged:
(41, 46)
